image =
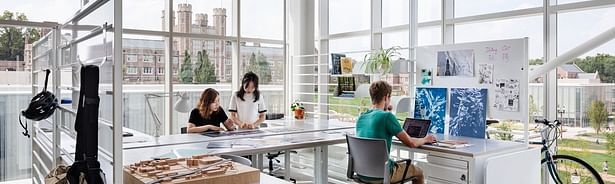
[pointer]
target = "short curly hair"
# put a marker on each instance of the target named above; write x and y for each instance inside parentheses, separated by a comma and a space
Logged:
(379, 90)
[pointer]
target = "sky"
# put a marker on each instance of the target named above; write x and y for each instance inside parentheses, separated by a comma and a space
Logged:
(264, 19)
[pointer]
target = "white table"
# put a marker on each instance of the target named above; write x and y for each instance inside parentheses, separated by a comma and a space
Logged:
(287, 135)
(470, 164)
(267, 179)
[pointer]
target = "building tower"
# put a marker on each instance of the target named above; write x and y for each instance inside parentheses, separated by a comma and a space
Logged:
(219, 45)
(184, 25)
(201, 20)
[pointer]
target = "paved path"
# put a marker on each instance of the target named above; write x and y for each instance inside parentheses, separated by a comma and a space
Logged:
(579, 149)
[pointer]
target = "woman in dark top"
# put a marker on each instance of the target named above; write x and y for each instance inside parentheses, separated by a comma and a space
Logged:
(208, 115)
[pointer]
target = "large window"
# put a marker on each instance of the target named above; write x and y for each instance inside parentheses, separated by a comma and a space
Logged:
(477, 7)
(588, 80)
(265, 15)
(138, 17)
(504, 29)
(429, 36)
(349, 15)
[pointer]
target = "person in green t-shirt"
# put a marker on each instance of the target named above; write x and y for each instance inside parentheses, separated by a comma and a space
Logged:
(381, 124)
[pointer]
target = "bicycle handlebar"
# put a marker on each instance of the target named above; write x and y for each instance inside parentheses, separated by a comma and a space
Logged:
(547, 122)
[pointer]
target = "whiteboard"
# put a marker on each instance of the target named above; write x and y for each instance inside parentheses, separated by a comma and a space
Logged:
(509, 59)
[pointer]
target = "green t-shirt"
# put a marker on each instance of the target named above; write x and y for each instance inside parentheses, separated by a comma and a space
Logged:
(376, 123)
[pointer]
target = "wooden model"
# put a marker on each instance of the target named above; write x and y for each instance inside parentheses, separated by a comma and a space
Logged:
(201, 169)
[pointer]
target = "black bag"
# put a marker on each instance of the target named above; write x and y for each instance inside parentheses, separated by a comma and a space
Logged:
(86, 124)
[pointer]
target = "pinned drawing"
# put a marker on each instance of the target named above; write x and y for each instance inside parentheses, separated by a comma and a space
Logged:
(485, 73)
(492, 52)
(426, 77)
(468, 112)
(431, 104)
(505, 56)
(507, 95)
(456, 63)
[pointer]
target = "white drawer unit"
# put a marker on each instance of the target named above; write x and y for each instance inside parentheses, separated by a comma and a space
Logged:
(447, 170)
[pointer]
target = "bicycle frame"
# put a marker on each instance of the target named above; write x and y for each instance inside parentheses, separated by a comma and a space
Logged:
(544, 133)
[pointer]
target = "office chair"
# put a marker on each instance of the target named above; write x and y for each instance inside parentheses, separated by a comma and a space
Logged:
(370, 157)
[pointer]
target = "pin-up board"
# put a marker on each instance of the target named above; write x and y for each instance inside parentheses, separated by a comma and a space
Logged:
(491, 76)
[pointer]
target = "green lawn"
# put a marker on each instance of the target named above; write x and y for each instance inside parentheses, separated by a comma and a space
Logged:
(572, 143)
(365, 104)
(593, 135)
(593, 159)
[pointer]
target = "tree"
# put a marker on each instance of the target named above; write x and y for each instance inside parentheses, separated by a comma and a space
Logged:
(12, 39)
(265, 68)
(204, 71)
(505, 127)
(185, 75)
(597, 115)
(260, 66)
(610, 143)
(536, 62)
(533, 110)
(604, 64)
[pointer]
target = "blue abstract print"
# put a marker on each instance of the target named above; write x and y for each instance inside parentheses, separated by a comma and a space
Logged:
(431, 104)
(468, 112)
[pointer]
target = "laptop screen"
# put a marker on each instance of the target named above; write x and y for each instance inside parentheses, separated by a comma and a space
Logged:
(416, 128)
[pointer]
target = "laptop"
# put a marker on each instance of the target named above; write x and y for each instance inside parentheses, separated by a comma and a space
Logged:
(416, 128)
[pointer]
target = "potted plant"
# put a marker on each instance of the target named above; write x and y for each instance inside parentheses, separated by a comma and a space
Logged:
(380, 61)
(298, 108)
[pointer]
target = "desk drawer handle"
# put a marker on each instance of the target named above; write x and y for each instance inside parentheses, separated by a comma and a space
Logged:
(463, 177)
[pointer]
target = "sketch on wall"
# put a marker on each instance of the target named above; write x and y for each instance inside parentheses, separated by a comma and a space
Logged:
(431, 104)
(485, 73)
(468, 112)
(506, 95)
(456, 63)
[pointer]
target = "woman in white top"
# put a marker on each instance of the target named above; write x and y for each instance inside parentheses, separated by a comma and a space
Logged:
(247, 105)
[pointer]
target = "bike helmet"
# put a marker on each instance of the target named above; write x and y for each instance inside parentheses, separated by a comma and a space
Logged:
(41, 106)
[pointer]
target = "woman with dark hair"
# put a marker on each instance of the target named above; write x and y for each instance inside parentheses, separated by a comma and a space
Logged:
(247, 105)
(209, 114)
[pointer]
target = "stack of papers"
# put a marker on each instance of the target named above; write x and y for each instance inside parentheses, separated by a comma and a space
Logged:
(452, 144)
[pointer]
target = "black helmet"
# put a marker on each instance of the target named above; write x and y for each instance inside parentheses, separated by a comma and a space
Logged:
(41, 106)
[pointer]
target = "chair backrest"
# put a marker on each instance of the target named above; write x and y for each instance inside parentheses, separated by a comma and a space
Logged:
(369, 156)
(237, 159)
(183, 130)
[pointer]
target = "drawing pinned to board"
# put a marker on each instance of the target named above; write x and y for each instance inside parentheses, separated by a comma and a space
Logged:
(492, 52)
(431, 104)
(507, 95)
(485, 73)
(426, 77)
(505, 56)
(456, 63)
(468, 112)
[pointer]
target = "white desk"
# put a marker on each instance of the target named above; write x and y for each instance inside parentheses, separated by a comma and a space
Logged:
(291, 135)
(266, 179)
(281, 135)
(469, 164)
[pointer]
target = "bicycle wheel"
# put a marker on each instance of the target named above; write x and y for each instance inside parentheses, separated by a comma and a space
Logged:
(572, 170)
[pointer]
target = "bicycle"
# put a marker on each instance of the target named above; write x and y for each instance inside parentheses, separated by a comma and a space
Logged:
(563, 169)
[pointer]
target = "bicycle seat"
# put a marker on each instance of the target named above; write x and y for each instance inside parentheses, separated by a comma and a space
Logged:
(492, 121)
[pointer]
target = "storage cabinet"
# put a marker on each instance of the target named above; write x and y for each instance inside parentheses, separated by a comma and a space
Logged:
(447, 170)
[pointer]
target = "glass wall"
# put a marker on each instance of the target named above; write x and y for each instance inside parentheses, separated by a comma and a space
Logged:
(588, 80)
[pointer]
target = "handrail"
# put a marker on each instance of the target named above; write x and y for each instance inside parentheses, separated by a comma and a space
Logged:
(93, 33)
